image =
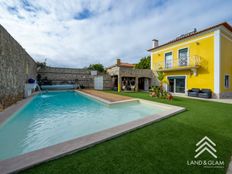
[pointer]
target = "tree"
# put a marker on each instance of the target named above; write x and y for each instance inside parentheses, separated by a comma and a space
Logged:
(159, 91)
(144, 63)
(96, 67)
(41, 64)
(162, 79)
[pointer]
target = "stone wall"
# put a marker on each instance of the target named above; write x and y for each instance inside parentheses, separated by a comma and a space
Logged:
(67, 75)
(132, 72)
(72, 75)
(114, 71)
(16, 66)
(107, 81)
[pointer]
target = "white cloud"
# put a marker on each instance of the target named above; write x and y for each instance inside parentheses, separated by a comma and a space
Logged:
(47, 29)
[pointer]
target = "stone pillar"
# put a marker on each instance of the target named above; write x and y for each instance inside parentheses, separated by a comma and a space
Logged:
(112, 81)
(136, 84)
(1, 107)
(119, 83)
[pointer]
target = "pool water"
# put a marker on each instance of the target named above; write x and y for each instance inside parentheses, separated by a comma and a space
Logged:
(56, 117)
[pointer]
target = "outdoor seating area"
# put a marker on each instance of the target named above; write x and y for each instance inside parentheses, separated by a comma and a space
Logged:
(128, 84)
(201, 93)
(124, 77)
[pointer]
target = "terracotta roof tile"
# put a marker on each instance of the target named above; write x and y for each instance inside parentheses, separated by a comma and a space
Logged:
(126, 65)
(122, 64)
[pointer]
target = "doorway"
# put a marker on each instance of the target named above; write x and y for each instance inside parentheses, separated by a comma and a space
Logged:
(177, 84)
(143, 83)
(98, 82)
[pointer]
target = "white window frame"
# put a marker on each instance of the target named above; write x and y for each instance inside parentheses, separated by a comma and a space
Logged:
(187, 55)
(226, 87)
(186, 84)
(165, 59)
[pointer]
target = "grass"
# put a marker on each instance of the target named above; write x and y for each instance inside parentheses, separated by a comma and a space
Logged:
(163, 147)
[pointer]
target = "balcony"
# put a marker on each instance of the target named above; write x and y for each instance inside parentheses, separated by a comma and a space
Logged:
(191, 63)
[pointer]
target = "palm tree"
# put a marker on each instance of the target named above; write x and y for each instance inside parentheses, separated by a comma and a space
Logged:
(162, 79)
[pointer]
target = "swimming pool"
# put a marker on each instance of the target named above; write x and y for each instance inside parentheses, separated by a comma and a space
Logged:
(56, 117)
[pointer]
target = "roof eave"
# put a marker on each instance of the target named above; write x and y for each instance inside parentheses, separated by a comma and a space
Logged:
(224, 24)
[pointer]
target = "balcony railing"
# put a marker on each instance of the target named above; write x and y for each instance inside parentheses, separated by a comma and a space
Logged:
(190, 62)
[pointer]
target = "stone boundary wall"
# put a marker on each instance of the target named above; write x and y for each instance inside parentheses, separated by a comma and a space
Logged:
(107, 81)
(73, 75)
(16, 66)
(67, 75)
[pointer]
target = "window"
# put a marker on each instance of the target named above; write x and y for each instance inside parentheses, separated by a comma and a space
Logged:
(168, 60)
(183, 57)
(227, 81)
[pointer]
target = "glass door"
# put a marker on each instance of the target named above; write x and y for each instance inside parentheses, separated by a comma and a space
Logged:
(176, 84)
(180, 85)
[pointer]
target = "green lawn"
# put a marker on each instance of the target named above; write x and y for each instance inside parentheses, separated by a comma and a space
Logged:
(162, 147)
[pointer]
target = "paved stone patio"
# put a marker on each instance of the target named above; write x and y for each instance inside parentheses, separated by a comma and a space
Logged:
(228, 101)
(106, 96)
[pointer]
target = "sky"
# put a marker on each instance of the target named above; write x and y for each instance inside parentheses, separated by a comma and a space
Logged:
(76, 33)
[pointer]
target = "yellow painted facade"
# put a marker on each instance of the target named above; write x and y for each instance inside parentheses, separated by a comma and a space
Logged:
(226, 60)
(200, 69)
(202, 46)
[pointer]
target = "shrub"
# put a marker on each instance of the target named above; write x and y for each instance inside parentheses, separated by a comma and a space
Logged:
(159, 92)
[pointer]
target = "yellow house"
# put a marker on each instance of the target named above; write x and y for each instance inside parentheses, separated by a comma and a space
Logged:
(199, 59)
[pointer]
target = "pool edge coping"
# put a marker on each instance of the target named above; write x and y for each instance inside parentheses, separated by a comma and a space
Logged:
(36, 157)
(9, 112)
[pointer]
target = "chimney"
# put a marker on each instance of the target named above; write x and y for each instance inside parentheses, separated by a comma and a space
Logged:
(155, 43)
(195, 30)
(118, 62)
